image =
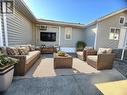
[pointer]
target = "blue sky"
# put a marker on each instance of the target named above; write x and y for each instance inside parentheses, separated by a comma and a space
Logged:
(79, 11)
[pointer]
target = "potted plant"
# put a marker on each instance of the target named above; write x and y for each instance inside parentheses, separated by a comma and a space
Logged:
(80, 45)
(61, 53)
(6, 71)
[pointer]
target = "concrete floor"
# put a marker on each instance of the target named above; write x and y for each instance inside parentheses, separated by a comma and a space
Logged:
(44, 68)
(43, 79)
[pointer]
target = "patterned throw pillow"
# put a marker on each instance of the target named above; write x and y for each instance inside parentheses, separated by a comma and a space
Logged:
(27, 47)
(32, 47)
(12, 51)
(23, 51)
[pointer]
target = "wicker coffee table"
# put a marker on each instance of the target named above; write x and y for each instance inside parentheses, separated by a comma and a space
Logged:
(62, 61)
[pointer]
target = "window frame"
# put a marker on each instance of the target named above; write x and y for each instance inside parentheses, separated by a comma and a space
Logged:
(114, 33)
(111, 32)
(123, 21)
(66, 30)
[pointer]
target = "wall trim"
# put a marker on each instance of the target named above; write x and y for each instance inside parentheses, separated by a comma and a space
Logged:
(1, 34)
(95, 43)
(5, 25)
(59, 35)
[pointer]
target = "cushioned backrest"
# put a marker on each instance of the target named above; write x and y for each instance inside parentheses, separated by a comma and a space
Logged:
(104, 50)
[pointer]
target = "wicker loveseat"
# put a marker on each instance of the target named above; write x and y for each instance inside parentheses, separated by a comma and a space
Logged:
(101, 61)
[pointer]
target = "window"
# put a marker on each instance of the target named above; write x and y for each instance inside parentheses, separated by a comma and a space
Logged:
(6, 6)
(122, 20)
(68, 33)
(9, 7)
(114, 34)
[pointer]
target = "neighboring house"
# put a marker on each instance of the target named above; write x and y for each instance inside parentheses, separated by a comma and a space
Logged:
(23, 28)
(108, 31)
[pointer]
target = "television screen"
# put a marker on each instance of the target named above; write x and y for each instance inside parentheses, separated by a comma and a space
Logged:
(48, 36)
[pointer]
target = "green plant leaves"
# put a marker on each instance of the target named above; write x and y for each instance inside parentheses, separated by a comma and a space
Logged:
(4, 60)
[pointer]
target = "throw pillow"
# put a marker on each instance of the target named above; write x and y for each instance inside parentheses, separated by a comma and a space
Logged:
(23, 51)
(12, 51)
(108, 50)
(27, 47)
(31, 47)
(88, 48)
(101, 51)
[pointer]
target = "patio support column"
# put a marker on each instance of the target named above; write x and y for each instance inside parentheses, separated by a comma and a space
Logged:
(1, 34)
(5, 24)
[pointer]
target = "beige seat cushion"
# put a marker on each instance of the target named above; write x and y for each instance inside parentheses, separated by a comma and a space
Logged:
(31, 56)
(92, 58)
(79, 53)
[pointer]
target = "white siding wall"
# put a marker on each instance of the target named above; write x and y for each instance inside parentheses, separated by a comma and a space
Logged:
(104, 30)
(77, 35)
(89, 35)
(19, 29)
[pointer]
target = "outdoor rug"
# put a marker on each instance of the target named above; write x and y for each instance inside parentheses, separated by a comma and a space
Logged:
(80, 84)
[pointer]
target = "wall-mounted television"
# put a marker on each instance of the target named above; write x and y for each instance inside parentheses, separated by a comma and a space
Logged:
(48, 36)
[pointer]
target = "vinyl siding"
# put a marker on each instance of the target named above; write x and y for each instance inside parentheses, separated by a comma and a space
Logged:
(89, 35)
(104, 30)
(19, 29)
(77, 35)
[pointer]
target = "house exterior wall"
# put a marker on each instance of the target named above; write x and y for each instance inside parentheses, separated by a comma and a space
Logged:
(19, 29)
(77, 35)
(89, 35)
(104, 30)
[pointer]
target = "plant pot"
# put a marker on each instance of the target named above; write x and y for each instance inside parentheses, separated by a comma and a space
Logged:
(6, 76)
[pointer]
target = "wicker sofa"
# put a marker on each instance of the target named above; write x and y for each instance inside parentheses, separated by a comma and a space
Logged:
(26, 61)
(101, 61)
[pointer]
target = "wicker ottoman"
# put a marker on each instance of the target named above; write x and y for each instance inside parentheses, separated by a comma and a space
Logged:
(62, 61)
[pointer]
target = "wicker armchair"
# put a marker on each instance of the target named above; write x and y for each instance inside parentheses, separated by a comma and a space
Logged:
(101, 61)
(82, 55)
